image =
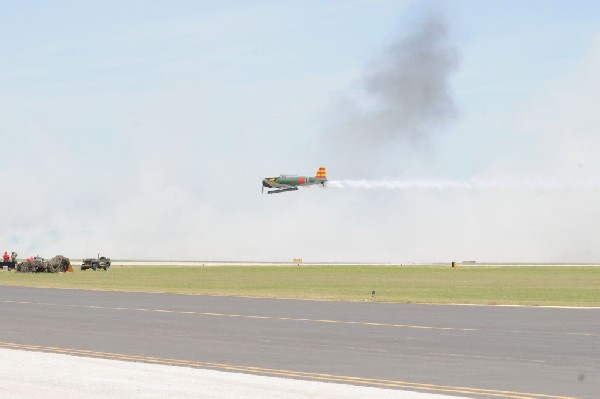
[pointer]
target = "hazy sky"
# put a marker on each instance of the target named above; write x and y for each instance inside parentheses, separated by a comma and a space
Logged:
(141, 129)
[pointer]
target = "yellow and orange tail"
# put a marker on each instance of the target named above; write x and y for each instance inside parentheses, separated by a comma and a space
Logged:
(321, 173)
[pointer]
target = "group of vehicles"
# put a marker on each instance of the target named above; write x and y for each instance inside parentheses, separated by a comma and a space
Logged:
(37, 263)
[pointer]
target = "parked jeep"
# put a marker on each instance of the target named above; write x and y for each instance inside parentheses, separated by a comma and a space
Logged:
(96, 263)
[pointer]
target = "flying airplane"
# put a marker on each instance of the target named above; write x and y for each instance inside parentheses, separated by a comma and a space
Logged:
(285, 183)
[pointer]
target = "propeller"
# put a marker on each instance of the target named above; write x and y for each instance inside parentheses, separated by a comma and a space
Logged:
(264, 184)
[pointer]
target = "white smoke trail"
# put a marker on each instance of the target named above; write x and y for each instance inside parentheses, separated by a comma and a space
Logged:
(469, 184)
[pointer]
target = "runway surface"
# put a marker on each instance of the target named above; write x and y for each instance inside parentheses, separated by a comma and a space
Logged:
(469, 351)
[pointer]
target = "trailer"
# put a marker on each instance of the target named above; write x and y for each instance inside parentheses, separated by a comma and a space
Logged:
(8, 265)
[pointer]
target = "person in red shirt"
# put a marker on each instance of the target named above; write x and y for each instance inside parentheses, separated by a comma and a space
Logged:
(6, 256)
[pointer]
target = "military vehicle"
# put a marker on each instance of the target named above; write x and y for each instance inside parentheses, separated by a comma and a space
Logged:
(37, 265)
(96, 263)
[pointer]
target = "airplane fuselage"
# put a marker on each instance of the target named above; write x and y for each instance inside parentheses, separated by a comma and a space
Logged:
(285, 183)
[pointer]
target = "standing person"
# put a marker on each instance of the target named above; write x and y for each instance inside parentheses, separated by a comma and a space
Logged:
(13, 257)
(6, 256)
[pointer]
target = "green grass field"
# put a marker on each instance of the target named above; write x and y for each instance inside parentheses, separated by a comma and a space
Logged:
(523, 285)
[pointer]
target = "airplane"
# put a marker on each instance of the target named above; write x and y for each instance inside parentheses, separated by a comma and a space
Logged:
(285, 183)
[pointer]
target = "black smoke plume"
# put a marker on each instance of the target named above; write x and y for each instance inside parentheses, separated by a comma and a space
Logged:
(405, 96)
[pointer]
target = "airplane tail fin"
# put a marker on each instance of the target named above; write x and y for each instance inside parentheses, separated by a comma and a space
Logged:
(321, 173)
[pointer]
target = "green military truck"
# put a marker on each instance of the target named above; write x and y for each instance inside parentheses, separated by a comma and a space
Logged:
(100, 262)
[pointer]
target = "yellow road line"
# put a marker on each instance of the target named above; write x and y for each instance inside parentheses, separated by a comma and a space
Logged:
(364, 323)
(479, 392)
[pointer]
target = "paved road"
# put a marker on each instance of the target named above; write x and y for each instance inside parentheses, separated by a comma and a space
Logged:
(460, 350)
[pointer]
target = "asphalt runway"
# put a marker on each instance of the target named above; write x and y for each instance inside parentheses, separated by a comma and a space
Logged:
(470, 351)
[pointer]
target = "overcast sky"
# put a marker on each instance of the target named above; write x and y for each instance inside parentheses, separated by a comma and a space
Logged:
(141, 129)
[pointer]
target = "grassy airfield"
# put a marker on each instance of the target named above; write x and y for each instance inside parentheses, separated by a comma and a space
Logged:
(489, 285)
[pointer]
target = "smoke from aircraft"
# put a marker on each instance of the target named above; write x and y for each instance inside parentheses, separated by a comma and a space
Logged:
(410, 84)
(402, 100)
(469, 184)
